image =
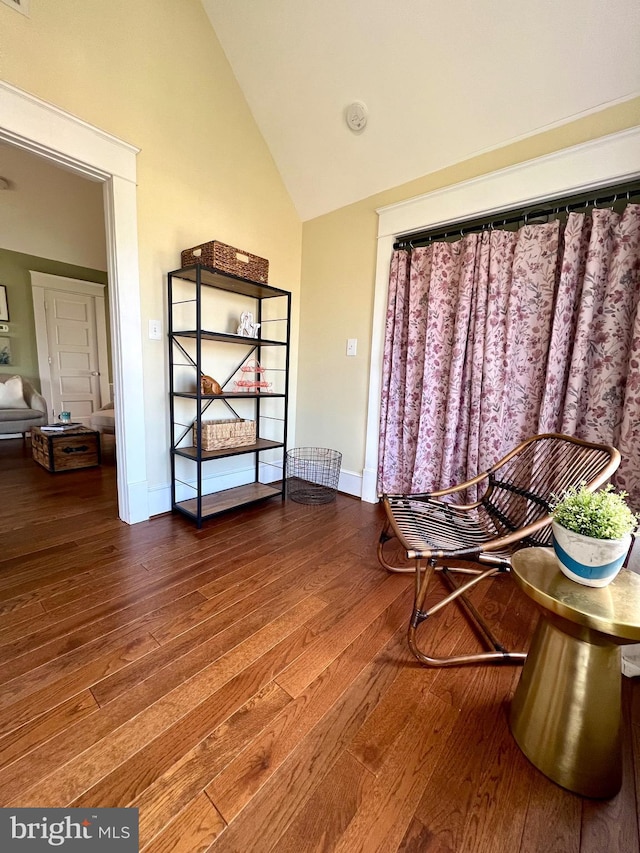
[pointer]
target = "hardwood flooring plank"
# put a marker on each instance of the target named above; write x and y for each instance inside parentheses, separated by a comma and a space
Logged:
(418, 839)
(18, 611)
(103, 618)
(187, 777)
(194, 649)
(77, 775)
(400, 705)
(329, 645)
(71, 649)
(500, 803)
(338, 795)
(552, 825)
(451, 795)
(27, 737)
(192, 831)
(611, 824)
(136, 644)
(230, 694)
(390, 798)
(306, 766)
(232, 789)
(262, 587)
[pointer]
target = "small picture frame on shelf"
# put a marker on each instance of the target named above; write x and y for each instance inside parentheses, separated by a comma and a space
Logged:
(4, 304)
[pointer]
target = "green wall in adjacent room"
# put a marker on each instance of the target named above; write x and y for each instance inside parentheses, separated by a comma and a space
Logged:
(14, 275)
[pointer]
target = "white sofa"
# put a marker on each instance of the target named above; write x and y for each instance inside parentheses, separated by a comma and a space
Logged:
(21, 407)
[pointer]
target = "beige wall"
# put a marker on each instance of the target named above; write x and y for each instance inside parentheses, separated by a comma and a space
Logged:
(338, 273)
(152, 73)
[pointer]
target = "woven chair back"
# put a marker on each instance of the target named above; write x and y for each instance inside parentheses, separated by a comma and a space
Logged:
(522, 484)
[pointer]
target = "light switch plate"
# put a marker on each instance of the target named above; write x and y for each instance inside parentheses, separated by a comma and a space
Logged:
(155, 330)
(352, 346)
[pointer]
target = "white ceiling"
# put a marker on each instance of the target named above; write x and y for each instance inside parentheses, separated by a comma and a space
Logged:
(443, 80)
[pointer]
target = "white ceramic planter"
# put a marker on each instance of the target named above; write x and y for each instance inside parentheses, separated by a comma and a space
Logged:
(592, 562)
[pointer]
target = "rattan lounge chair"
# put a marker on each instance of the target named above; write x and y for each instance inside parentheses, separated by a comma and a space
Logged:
(477, 540)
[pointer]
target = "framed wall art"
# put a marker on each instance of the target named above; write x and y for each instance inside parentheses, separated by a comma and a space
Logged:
(4, 305)
(5, 351)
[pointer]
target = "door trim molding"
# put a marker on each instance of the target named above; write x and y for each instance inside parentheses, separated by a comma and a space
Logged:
(43, 129)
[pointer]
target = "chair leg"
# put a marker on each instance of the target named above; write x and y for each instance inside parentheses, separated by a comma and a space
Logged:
(497, 654)
(386, 535)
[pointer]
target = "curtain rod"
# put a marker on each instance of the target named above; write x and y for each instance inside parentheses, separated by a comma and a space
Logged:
(559, 207)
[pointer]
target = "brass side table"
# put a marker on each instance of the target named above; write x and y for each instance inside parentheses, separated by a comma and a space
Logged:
(566, 712)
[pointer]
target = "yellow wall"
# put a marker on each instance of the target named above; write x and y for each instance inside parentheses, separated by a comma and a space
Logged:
(338, 274)
(152, 73)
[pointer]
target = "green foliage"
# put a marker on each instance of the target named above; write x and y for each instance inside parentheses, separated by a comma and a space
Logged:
(602, 515)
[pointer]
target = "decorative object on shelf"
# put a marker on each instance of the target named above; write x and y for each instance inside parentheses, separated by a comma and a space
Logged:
(4, 304)
(208, 385)
(221, 434)
(592, 534)
(5, 351)
(228, 259)
(247, 328)
(254, 367)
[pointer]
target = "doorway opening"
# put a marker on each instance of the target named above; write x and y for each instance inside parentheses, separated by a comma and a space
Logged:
(46, 131)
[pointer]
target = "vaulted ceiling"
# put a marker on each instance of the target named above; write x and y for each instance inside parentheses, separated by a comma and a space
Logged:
(442, 80)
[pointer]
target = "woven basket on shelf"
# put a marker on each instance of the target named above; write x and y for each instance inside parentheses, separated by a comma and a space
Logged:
(219, 435)
(228, 259)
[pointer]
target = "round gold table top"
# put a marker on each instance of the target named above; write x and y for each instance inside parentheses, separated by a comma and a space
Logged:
(613, 610)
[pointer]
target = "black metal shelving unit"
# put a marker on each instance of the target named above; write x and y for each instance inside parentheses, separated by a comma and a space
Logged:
(193, 351)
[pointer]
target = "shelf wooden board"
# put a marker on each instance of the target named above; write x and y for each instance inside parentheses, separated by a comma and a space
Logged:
(227, 338)
(218, 502)
(225, 281)
(228, 395)
(260, 444)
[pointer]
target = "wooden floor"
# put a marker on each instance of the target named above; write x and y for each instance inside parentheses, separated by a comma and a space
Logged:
(248, 686)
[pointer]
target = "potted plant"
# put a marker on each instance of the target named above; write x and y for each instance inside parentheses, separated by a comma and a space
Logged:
(592, 533)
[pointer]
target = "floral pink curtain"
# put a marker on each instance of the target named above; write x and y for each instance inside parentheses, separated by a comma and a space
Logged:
(502, 335)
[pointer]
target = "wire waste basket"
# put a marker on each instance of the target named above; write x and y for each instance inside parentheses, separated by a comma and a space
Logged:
(313, 474)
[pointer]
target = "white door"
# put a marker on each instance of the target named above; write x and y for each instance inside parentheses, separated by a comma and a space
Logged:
(73, 354)
(71, 337)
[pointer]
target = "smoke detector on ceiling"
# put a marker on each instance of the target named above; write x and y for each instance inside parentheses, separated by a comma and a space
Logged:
(356, 115)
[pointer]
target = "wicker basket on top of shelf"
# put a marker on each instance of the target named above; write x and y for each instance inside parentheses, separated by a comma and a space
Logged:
(228, 259)
(222, 434)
